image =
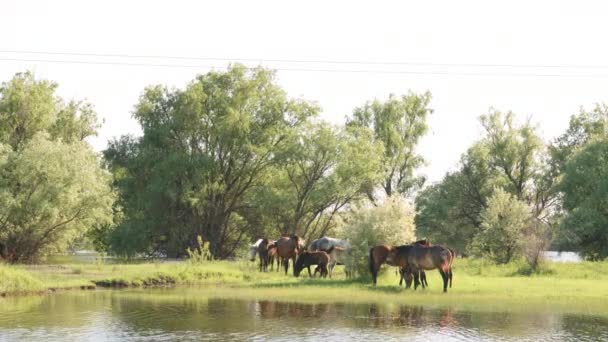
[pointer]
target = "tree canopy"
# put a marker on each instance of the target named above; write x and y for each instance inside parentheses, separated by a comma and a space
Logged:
(52, 187)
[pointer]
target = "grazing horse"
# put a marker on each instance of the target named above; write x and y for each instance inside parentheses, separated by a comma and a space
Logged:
(288, 247)
(306, 259)
(325, 243)
(406, 273)
(253, 249)
(428, 258)
(393, 256)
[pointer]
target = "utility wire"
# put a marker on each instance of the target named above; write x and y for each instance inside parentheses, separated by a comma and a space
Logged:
(311, 61)
(362, 71)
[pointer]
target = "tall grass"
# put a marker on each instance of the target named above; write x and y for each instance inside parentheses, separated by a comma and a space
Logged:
(14, 280)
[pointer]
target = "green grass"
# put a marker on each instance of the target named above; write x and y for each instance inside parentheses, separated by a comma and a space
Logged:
(581, 288)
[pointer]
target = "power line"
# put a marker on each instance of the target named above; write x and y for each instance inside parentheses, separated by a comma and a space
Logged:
(312, 61)
(362, 71)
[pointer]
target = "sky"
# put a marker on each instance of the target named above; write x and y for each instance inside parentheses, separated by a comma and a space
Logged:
(542, 60)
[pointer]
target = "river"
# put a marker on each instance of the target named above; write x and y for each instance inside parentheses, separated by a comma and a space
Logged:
(167, 315)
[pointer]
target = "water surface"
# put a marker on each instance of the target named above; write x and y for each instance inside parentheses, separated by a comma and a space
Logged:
(166, 315)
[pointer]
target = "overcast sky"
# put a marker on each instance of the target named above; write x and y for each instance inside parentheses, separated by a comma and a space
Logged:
(541, 59)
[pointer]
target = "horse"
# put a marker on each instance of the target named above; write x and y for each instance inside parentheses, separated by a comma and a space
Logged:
(337, 255)
(272, 255)
(263, 252)
(253, 249)
(404, 273)
(325, 243)
(428, 258)
(306, 259)
(288, 247)
(393, 256)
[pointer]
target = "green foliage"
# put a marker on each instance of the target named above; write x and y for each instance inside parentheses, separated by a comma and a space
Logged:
(510, 157)
(50, 194)
(204, 151)
(584, 128)
(390, 223)
(29, 106)
(585, 188)
(199, 254)
(52, 188)
(321, 170)
(502, 228)
(398, 124)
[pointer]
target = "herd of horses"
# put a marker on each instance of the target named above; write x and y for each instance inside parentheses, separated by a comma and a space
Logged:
(325, 253)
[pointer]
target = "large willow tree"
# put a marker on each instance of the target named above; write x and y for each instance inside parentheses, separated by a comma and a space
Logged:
(204, 149)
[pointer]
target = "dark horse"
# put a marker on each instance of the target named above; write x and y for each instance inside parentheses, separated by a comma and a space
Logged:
(393, 256)
(421, 258)
(306, 259)
(407, 273)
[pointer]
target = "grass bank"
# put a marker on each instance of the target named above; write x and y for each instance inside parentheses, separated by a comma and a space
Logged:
(580, 288)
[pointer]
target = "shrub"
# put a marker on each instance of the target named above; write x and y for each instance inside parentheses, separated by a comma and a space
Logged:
(503, 224)
(200, 254)
(390, 223)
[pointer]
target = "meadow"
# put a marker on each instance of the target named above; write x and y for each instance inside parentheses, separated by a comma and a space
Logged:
(567, 287)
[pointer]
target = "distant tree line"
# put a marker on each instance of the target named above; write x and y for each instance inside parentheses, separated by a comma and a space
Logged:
(231, 157)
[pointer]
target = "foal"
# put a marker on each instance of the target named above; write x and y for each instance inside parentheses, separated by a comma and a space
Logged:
(306, 259)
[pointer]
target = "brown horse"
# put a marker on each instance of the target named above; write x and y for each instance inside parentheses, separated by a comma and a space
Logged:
(306, 259)
(288, 247)
(272, 255)
(428, 258)
(393, 256)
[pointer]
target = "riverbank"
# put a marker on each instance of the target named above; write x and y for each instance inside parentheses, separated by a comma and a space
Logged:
(580, 288)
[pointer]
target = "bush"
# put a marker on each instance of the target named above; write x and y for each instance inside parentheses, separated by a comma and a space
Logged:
(200, 254)
(391, 223)
(503, 224)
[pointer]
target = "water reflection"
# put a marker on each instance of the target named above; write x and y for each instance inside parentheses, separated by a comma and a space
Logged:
(171, 315)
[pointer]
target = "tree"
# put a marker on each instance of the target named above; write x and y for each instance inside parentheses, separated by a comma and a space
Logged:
(51, 194)
(29, 106)
(321, 170)
(510, 157)
(203, 151)
(398, 123)
(503, 224)
(585, 189)
(52, 188)
(584, 127)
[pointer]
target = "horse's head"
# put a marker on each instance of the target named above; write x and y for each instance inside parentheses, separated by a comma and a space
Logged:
(299, 265)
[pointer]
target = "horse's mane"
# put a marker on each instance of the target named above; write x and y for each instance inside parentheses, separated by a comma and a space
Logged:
(257, 243)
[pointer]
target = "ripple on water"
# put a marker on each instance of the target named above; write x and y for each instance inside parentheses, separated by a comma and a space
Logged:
(164, 316)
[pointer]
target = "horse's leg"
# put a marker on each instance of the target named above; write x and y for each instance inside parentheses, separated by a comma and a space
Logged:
(416, 275)
(444, 276)
(286, 264)
(423, 279)
(373, 267)
(309, 274)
